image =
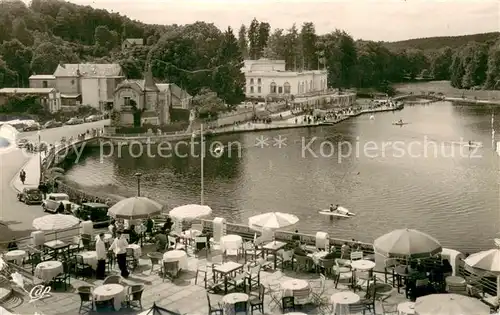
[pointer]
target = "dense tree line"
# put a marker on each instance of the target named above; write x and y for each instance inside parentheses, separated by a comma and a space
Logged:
(199, 56)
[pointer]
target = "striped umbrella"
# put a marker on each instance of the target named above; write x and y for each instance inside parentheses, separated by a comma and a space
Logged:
(272, 220)
(55, 222)
(135, 208)
(488, 260)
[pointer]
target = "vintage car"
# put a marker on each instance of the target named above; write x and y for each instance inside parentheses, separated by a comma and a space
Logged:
(95, 212)
(30, 195)
(51, 204)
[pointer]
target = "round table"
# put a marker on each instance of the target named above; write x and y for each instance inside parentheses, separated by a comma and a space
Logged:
(231, 241)
(297, 288)
(406, 308)
(177, 255)
(362, 265)
(295, 313)
(107, 292)
(454, 280)
(341, 301)
(89, 258)
(229, 300)
(190, 234)
(317, 256)
(48, 270)
(16, 256)
(137, 250)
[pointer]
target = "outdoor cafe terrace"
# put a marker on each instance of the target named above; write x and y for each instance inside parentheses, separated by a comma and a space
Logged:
(238, 272)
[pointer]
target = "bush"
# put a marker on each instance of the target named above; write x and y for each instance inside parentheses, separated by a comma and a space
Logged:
(180, 114)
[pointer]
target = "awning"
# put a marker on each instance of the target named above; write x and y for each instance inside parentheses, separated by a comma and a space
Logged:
(70, 95)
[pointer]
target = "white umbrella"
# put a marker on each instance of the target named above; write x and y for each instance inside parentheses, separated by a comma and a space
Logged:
(450, 304)
(488, 260)
(272, 220)
(55, 222)
(190, 212)
(407, 243)
(135, 208)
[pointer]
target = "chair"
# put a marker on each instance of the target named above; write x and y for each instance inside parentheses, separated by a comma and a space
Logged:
(135, 295)
(85, 293)
(113, 280)
(303, 262)
(203, 269)
(249, 249)
(81, 267)
(326, 266)
(76, 245)
(357, 308)
(87, 241)
(341, 273)
(287, 304)
(65, 277)
(389, 309)
(253, 276)
(172, 243)
(132, 262)
(368, 301)
(390, 263)
(238, 282)
(214, 310)
(197, 227)
(110, 259)
(258, 304)
(286, 258)
(217, 260)
(318, 291)
(241, 308)
(275, 293)
(155, 258)
(170, 269)
(200, 242)
(356, 255)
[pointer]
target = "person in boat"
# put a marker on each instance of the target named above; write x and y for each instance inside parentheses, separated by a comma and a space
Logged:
(333, 208)
(470, 142)
(400, 121)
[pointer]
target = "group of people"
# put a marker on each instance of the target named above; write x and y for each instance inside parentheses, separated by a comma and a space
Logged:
(118, 247)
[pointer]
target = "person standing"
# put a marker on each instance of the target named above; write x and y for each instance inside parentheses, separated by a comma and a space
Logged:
(119, 247)
(22, 176)
(100, 248)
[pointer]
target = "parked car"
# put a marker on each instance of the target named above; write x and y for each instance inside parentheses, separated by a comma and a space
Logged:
(22, 143)
(32, 127)
(51, 204)
(92, 118)
(74, 121)
(96, 212)
(30, 195)
(52, 124)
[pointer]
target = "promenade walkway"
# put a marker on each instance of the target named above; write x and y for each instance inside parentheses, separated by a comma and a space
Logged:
(32, 169)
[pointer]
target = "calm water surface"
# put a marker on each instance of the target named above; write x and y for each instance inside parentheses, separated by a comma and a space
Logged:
(392, 180)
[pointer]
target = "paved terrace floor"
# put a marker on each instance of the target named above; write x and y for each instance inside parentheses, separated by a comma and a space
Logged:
(182, 295)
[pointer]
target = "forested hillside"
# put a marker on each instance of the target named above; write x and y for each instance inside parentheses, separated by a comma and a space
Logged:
(199, 56)
(435, 43)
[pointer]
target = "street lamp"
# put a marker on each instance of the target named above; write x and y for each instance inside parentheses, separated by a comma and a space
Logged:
(138, 175)
(40, 154)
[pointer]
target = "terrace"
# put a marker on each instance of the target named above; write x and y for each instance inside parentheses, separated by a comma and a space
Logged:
(311, 280)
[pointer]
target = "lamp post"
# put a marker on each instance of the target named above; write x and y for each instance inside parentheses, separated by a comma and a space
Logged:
(40, 155)
(138, 175)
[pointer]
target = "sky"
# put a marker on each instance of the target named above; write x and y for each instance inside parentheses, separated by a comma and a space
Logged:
(382, 20)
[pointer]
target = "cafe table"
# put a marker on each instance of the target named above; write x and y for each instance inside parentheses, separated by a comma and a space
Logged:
(17, 256)
(48, 270)
(229, 301)
(110, 291)
(273, 247)
(225, 270)
(297, 288)
(89, 258)
(406, 308)
(361, 265)
(137, 250)
(56, 246)
(177, 255)
(342, 300)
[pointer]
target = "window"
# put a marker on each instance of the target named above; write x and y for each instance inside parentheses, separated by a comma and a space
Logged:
(251, 89)
(311, 85)
(280, 90)
(273, 87)
(287, 88)
(259, 81)
(251, 81)
(126, 101)
(45, 84)
(259, 90)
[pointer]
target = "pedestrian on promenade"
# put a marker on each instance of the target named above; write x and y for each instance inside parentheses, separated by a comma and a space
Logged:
(22, 176)
(119, 247)
(100, 249)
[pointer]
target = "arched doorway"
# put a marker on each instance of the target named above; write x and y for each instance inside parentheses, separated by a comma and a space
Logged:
(272, 88)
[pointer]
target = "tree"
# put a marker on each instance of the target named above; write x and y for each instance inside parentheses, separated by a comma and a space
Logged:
(47, 56)
(105, 38)
(292, 48)
(275, 49)
(441, 63)
(207, 103)
(229, 81)
(18, 58)
(493, 73)
(253, 40)
(457, 70)
(20, 32)
(340, 53)
(308, 40)
(7, 76)
(264, 29)
(242, 41)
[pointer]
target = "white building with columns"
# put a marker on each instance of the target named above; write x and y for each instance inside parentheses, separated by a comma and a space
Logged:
(269, 78)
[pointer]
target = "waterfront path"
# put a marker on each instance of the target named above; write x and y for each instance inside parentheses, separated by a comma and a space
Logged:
(15, 217)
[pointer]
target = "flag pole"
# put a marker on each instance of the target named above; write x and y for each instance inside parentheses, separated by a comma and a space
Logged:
(202, 157)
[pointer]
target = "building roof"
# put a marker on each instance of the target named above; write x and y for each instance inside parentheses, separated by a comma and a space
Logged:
(135, 41)
(176, 90)
(89, 70)
(42, 77)
(26, 90)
